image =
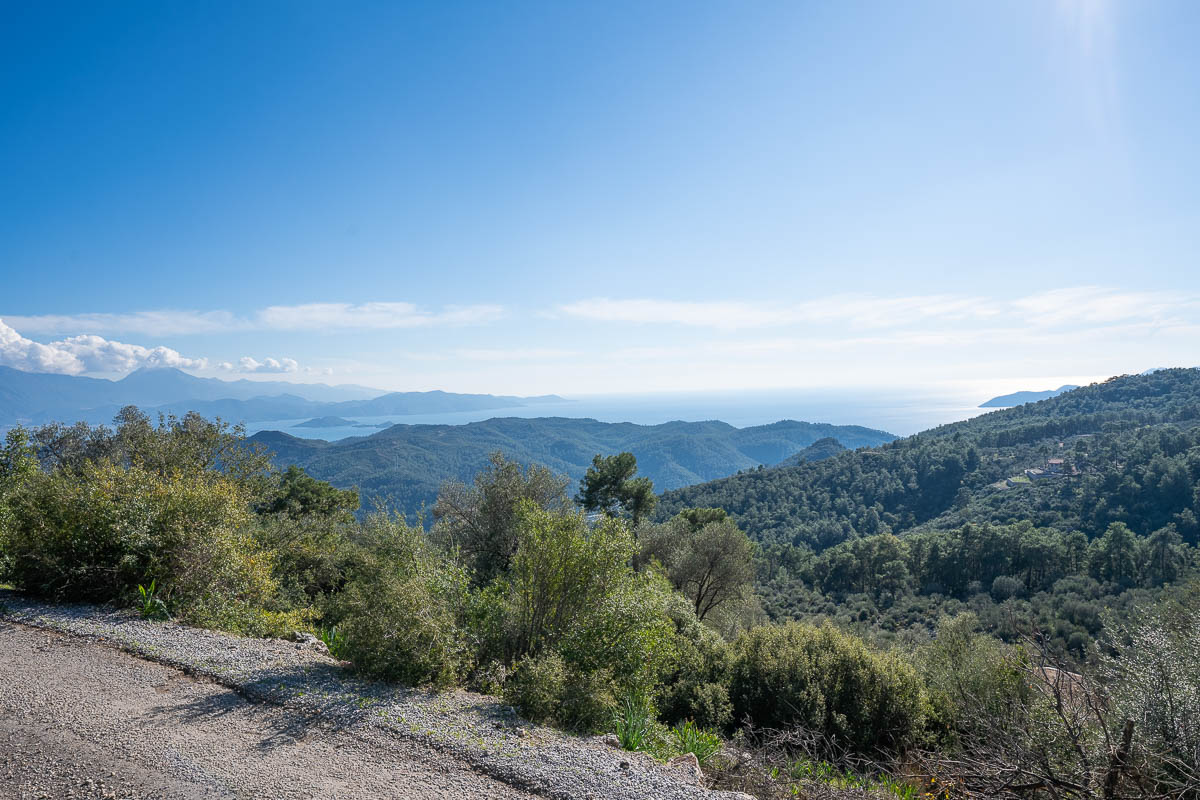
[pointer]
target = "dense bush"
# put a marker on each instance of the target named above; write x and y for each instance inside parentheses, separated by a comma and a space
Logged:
(312, 556)
(550, 690)
(572, 598)
(696, 686)
(822, 679)
(400, 613)
(97, 534)
(970, 677)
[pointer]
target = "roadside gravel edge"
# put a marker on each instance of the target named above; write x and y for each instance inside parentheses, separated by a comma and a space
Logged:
(479, 730)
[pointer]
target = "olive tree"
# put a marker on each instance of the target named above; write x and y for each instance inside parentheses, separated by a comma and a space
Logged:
(706, 557)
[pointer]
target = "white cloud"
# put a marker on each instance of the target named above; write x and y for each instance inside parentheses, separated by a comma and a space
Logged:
(148, 323)
(720, 314)
(372, 316)
(88, 353)
(858, 310)
(1089, 306)
(272, 365)
(1094, 305)
(20, 353)
(309, 316)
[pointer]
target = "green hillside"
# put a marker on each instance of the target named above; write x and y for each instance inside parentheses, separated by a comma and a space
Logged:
(1041, 518)
(408, 463)
(1132, 441)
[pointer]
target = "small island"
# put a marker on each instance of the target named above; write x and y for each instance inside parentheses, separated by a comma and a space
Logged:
(339, 422)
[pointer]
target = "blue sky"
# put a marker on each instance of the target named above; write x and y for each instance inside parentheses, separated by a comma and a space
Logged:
(590, 197)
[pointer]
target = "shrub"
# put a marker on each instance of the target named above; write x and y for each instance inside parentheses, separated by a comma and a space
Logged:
(400, 613)
(971, 677)
(536, 685)
(571, 590)
(696, 684)
(1152, 666)
(1006, 586)
(310, 556)
(546, 689)
(97, 534)
(827, 681)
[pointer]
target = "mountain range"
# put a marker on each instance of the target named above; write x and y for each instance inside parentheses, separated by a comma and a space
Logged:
(408, 463)
(36, 398)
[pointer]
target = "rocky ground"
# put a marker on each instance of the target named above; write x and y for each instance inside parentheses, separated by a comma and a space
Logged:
(102, 704)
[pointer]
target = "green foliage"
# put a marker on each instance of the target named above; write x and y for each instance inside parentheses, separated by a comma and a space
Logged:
(609, 486)
(190, 445)
(334, 641)
(18, 463)
(536, 687)
(298, 494)
(706, 556)
(579, 625)
(480, 521)
(1133, 441)
(95, 535)
(824, 680)
(1016, 578)
(152, 606)
(573, 590)
(400, 611)
(632, 721)
(549, 690)
(972, 678)
(691, 739)
(696, 683)
(311, 556)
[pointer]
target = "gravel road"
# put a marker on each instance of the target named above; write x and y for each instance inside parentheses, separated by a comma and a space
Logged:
(98, 704)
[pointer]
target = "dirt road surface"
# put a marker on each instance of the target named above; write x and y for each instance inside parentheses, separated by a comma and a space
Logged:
(82, 720)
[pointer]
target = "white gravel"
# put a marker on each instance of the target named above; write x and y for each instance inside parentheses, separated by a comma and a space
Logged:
(477, 731)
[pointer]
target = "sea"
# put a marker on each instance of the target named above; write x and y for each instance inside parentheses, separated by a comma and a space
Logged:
(897, 412)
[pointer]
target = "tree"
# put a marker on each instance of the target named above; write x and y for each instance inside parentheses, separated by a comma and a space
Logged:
(299, 495)
(18, 463)
(481, 520)
(610, 486)
(1114, 555)
(707, 557)
(1165, 551)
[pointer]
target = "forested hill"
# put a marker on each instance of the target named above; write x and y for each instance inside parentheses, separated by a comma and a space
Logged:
(408, 463)
(1129, 450)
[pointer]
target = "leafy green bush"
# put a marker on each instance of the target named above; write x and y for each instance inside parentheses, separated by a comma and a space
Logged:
(548, 690)
(696, 684)
(971, 678)
(311, 556)
(400, 613)
(536, 685)
(571, 589)
(97, 534)
(824, 680)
